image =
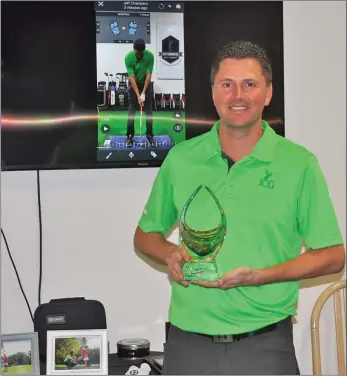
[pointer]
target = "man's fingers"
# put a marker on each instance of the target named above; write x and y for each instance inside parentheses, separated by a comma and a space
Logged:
(177, 275)
(230, 282)
(175, 271)
(140, 101)
(178, 271)
(206, 283)
(175, 265)
(183, 253)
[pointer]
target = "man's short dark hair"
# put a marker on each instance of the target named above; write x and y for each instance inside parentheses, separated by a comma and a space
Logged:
(139, 45)
(243, 50)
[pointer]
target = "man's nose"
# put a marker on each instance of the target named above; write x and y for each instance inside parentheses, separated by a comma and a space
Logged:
(237, 91)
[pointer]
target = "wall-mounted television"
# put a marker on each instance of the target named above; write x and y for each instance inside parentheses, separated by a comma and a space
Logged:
(65, 86)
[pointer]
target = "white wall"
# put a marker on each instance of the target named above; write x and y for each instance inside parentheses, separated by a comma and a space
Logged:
(89, 216)
(110, 56)
(315, 115)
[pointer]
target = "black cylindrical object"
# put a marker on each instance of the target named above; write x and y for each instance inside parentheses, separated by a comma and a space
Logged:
(134, 348)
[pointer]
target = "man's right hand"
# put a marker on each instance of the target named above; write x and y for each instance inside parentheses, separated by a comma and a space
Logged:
(175, 260)
(139, 99)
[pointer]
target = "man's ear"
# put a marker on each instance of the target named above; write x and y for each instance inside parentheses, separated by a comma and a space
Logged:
(268, 94)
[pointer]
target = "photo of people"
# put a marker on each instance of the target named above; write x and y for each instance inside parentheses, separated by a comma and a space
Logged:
(77, 353)
(16, 357)
(140, 81)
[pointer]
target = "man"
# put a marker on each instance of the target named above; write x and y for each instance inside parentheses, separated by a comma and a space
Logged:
(139, 64)
(70, 360)
(275, 197)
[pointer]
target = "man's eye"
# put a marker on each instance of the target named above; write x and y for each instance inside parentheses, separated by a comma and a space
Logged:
(250, 84)
(226, 84)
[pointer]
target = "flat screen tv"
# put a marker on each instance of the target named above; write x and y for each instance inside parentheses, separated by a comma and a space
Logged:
(65, 86)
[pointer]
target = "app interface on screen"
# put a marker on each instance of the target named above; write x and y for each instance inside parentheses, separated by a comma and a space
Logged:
(140, 79)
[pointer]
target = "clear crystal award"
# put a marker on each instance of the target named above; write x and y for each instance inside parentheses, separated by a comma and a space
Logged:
(202, 245)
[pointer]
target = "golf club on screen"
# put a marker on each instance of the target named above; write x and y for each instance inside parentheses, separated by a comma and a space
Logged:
(141, 125)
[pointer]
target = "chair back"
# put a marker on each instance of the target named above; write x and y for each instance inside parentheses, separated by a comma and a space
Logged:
(338, 291)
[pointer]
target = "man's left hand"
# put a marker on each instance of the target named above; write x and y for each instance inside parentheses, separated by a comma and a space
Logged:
(143, 97)
(244, 276)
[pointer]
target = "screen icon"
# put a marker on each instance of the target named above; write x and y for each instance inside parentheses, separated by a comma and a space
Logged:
(105, 128)
(178, 127)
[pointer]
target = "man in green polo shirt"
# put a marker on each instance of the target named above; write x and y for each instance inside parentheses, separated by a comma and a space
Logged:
(70, 360)
(275, 197)
(139, 64)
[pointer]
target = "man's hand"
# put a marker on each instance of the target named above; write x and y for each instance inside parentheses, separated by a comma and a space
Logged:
(139, 99)
(174, 262)
(239, 277)
(310, 264)
(143, 96)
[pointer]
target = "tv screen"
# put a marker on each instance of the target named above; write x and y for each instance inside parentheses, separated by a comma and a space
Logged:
(66, 96)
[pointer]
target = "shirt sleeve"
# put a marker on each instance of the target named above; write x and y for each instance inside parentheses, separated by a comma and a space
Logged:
(129, 65)
(150, 63)
(160, 214)
(317, 221)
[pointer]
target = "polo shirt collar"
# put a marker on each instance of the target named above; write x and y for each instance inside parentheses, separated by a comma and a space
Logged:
(135, 57)
(263, 150)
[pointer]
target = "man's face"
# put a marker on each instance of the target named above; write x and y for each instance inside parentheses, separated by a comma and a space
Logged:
(139, 54)
(240, 92)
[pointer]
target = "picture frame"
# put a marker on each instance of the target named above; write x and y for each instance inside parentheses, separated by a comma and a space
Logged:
(80, 352)
(20, 354)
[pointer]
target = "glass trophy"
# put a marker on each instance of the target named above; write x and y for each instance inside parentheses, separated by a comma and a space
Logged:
(202, 245)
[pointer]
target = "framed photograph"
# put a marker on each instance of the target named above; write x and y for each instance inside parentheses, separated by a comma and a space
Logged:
(82, 352)
(20, 354)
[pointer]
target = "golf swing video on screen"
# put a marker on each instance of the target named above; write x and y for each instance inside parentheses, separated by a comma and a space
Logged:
(140, 79)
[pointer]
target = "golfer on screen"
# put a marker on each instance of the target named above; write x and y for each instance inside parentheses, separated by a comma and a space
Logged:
(139, 64)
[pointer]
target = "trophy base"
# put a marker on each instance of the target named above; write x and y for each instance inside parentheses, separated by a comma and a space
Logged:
(201, 271)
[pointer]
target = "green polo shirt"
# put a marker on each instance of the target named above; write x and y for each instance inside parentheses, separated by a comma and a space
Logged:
(274, 199)
(139, 68)
(68, 358)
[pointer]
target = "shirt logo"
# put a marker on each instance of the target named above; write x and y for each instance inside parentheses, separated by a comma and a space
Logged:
(266, 182)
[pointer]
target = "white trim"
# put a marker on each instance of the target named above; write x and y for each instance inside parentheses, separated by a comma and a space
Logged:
(53, 334)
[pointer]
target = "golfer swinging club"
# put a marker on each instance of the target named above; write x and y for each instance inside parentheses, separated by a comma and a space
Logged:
(139, 64)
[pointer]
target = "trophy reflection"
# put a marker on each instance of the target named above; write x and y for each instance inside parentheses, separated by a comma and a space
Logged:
(202, 245)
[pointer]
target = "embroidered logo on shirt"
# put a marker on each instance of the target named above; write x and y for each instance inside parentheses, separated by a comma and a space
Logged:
(266, 181)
